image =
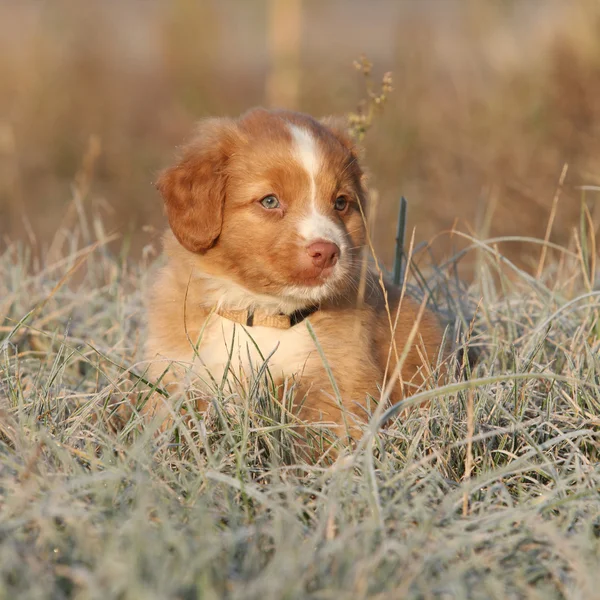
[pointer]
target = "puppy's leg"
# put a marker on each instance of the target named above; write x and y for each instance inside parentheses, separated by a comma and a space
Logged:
(157, 404)
(343, 409)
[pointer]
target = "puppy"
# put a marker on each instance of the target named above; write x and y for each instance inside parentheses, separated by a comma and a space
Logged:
(267, 235)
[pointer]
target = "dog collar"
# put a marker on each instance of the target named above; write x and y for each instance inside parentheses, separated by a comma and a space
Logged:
(257, 318)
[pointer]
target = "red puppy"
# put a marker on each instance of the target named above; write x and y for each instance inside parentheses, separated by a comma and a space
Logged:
(267, 233)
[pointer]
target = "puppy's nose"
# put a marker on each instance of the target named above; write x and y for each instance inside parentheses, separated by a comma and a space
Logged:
(324, 254)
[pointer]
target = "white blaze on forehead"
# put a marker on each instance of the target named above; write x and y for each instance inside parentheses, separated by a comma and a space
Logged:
(315, 225)
(307, 154)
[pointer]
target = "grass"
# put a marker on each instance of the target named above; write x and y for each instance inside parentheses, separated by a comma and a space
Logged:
(492, 491)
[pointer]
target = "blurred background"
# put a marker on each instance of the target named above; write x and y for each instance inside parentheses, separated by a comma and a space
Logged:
(492, 102)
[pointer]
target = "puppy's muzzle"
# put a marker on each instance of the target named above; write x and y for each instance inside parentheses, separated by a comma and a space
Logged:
(324, 255)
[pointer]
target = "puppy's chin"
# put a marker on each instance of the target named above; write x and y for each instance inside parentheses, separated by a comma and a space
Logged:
(327, 285)
(308, 295)
(316, 277)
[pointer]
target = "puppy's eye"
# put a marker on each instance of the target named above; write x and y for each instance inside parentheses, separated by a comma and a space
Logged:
(270, 202)
(340, 204)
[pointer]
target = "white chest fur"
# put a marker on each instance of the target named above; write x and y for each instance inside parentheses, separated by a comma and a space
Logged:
(241, 351)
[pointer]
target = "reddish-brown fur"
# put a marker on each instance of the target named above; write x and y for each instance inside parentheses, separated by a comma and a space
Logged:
(226, 248)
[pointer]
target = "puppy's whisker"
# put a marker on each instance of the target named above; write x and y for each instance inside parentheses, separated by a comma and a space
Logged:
(350, 163)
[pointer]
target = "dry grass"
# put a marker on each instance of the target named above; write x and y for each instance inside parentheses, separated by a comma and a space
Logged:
(490, 492)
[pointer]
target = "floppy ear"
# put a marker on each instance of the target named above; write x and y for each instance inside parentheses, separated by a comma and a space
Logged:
(339, 126)
(194, 190)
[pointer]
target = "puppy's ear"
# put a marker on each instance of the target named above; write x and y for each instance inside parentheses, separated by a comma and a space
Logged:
(194, 189)
(339, 126)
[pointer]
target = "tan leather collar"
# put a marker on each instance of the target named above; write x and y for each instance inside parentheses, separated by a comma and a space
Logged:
(258, 318)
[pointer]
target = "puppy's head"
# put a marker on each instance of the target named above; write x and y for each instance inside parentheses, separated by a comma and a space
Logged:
(271, 202)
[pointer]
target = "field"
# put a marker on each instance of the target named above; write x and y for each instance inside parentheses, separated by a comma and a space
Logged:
(491, 101)
(489, 492)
